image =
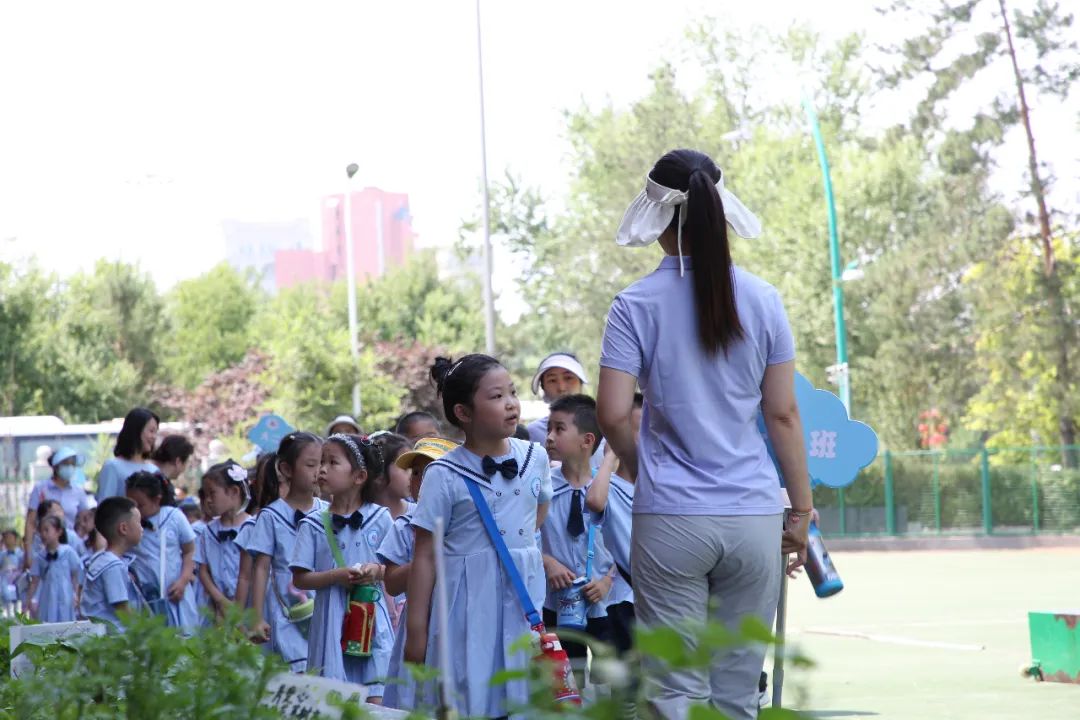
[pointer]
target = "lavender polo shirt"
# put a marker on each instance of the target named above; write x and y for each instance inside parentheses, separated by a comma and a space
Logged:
(699, 451)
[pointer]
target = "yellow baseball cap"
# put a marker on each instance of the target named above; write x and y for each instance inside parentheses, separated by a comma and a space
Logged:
(432, 448)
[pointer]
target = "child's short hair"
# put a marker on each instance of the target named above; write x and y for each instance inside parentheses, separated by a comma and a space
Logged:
(110, 513)
(10, 531)
(583, 410)
(191, 509)
(401, 427)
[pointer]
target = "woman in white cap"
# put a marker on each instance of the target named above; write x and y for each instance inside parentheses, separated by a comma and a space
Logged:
(65, 487)
(559, 375)
(709, 344)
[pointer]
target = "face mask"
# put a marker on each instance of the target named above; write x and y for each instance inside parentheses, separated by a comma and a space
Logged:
(66, 472)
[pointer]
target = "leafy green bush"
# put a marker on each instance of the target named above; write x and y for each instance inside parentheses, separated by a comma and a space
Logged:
(148, 672)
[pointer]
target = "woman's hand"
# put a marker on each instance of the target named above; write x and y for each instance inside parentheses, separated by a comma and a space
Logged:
(597, 590)
(795, 540)
(558, 575)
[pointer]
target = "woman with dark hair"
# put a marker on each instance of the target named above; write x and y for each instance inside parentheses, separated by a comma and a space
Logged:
(172, 455)
(134, 445)
(709, 351)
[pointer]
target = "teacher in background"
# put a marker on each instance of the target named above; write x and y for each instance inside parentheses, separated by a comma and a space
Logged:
(710, 346)
(134, 446)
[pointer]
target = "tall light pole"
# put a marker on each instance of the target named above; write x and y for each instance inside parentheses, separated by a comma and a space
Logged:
(838, 372)
(350, 283)
(489, 296)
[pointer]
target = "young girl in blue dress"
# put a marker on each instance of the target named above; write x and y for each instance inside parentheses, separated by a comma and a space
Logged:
(56, 571)
(485, 617)
(226, 493)
(164, 560)
(358, 526)
(282, 611)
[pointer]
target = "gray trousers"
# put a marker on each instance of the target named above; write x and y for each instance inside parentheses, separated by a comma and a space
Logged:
(698, 568)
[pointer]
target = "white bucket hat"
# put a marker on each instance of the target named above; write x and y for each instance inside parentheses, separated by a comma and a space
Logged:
(651, 211)
(563, 360)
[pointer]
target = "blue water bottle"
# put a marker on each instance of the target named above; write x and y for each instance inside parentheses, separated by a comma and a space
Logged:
(819, 566)
(573, 608)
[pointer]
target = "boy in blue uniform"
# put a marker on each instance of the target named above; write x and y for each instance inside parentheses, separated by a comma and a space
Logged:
(573, 435)
(108, 589)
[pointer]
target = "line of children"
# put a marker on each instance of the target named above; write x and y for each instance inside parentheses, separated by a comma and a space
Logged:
(282, 559)
(334, 553)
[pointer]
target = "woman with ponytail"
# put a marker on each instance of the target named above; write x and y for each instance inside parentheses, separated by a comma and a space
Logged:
(709, 344)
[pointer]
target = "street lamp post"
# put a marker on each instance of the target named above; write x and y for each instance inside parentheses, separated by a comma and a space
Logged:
(350, 283)
(838, 372)
(489, 296)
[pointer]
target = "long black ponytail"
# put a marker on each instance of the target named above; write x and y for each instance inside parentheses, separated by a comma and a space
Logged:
(706, 232)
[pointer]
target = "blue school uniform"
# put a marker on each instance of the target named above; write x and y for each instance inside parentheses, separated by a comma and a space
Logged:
(274, 534)
(397, 548)
(312, 552)
(218, 549)
(573, 551)
(11, 562)
(617, 519)
(112, 480)
(108, 582)
(170, 526)
(56, 598)
(485, 616)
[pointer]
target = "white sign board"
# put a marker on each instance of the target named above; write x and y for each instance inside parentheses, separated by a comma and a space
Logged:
(47, 633)
(305, 697)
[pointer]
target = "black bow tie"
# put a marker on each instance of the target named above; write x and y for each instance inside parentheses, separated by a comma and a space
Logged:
(354, 521)
(298, 516)
(226, 535)
(147, 525)
(508, 468)
(575, 523)
(52, 556)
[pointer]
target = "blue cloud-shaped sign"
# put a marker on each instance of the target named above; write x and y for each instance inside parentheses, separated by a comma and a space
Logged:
(269, 431)
(837, 447)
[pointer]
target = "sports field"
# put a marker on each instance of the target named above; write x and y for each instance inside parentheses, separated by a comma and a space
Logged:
(931, 635)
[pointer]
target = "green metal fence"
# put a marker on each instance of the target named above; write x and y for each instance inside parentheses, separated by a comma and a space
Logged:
(947, 492)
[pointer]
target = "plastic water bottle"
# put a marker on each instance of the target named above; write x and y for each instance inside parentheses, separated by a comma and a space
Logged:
(563, 685)
(572, 606)
(819, 566)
